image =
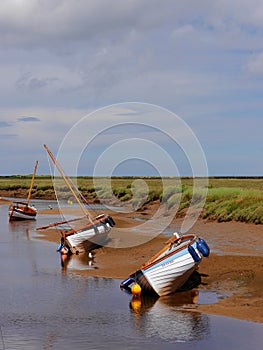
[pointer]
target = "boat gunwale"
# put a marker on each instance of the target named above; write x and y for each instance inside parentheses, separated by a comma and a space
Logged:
(193, 238)
(22, 207)
(88, 226)
(23, 203)
(30, 211)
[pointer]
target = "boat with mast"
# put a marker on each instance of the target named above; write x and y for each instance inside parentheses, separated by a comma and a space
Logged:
(91, 233)
(20, 210)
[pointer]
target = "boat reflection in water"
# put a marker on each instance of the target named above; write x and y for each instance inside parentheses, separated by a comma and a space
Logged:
(171, 317)
(80, 262)
(21, 229)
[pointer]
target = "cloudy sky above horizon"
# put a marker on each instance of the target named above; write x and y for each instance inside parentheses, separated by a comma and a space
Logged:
(202, 60)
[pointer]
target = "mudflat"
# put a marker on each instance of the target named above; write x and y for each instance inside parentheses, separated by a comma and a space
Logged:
(234, 269)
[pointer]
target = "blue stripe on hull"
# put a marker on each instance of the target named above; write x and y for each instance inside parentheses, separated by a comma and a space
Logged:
(170, 258)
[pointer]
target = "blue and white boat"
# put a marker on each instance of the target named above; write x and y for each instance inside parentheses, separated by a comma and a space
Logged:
(91, 234)
(169, 269)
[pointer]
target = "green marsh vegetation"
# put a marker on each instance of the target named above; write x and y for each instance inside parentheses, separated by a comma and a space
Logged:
(223, 199)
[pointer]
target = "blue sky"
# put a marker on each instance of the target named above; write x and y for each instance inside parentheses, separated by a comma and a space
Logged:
(201, 60)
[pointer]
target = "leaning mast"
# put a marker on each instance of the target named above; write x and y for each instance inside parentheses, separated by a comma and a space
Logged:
(31, 184)
(68, 184)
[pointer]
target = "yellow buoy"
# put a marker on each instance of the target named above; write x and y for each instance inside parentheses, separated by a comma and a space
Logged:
(64, 251)
(136, 304)
(194, 295)
(136, 289)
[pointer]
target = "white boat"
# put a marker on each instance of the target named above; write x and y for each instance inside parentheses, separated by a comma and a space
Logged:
(86, 237)
(22, 210)
(90, 234)
(168, 270)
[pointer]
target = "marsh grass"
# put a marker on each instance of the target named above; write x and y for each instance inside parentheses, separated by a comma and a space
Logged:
(239, 199)
(240, 204)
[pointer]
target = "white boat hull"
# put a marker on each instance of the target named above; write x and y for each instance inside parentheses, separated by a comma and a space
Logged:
(169, 275)
(20, 213)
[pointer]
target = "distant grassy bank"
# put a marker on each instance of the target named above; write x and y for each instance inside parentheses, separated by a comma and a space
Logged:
(223, 199)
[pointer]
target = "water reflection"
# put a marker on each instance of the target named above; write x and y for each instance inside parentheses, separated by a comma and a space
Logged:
(42, 308)
(169, 317)
(21, 229)
(75, 262)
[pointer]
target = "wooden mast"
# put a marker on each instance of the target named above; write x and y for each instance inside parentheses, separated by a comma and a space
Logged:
(68, 184)
(31, 184)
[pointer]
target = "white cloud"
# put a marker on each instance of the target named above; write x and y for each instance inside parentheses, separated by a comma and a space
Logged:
(255, 64)
(182, 32)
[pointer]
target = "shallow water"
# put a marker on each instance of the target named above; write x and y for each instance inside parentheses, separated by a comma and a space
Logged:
(43, 306)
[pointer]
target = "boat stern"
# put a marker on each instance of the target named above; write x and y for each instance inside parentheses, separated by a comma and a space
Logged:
(137, 278)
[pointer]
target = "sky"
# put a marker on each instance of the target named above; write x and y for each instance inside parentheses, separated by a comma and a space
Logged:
(62, 63)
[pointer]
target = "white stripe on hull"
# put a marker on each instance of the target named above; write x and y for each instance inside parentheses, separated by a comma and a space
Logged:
(77, 240)
(170, 275)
